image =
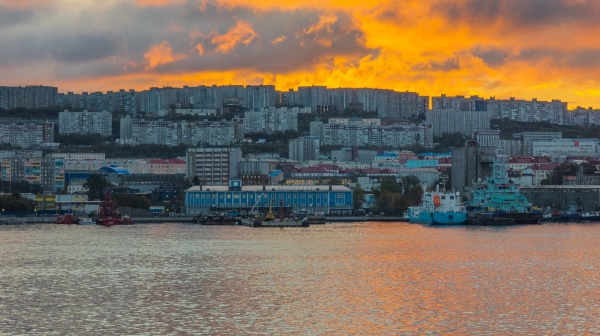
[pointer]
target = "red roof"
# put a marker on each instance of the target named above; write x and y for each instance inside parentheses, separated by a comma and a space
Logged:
(530, 159)
(312, 169)
(169, 161)
(544, 166)
(377, 171)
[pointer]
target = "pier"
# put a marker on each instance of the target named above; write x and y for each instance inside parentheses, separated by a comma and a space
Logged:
(11, 220)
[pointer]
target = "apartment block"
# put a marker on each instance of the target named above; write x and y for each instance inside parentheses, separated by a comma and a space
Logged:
(213, 166)
(160, 132)
(358, 134)
(271, 119)
(85, 123)
(45, 171)
(27, 135)
(457, 121)
(304, 149)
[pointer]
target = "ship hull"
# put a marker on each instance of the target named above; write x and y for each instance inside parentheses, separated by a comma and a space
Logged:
(513, 218)
(439, 218)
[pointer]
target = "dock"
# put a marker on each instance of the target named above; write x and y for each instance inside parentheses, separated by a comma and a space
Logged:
(10, 220)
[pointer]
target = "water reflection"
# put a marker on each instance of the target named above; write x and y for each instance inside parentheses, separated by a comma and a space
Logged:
(363, 278)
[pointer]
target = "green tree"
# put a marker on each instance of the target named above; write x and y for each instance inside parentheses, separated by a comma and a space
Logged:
(132, 201)
(358, 197)
(14, 202)
(558, 173)
(96, 184)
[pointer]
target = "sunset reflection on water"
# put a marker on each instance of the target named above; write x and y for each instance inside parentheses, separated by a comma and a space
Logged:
(362, 278)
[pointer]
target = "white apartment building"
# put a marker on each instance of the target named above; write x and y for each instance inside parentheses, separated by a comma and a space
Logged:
(78, 156)
(85, 123)
(160, 132)
(457, 121)
(566, 147)
(271, 119)
(357, 135)
(553, 111)
(27, 135)
(304, 149)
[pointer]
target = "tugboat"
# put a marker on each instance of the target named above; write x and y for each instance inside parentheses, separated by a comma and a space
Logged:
(500, 197)
(438, 208)
(108, 216)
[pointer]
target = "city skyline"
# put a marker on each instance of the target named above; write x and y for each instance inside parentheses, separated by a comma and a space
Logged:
(543, 49)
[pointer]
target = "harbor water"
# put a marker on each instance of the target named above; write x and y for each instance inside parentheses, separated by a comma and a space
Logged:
(332, 279)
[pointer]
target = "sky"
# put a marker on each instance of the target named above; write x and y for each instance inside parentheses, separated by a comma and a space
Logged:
(544, 49)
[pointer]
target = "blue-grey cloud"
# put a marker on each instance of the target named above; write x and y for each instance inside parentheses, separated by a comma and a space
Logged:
(520, 13)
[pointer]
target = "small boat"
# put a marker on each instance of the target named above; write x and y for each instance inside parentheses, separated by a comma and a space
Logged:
(216, 220)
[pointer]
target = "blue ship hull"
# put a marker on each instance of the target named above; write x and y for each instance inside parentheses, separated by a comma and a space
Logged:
(439, 218)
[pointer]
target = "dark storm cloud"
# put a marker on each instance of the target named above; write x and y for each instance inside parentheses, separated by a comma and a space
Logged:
(113, 38)
(493, 57)
(520, 13)
(295, 51)
(446, 65)
(11, 17)
(85, 47)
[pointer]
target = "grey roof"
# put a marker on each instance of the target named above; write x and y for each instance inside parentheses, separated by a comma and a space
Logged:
(273, 188)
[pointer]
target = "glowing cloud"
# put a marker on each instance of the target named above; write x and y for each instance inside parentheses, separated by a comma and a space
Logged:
(279, 39)
(545, 49)
(160, 54)
(241, 33)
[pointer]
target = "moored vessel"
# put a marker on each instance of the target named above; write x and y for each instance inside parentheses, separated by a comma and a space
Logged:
(109, 216)
(438, 207)
(501, 197)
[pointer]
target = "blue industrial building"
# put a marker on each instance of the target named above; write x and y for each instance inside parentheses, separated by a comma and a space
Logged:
(317, 199)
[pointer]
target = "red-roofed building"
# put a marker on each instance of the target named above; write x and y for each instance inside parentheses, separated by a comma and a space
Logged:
(169, 166)
(542, 171)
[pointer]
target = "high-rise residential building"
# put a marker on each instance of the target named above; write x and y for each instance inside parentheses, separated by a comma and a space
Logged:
(304, 149)
(261, 96)
(343, 132)
(45, 171)
(271, 119)
(30, 97)
(314, 97)
(213, 166)
(584, 117)
(457, 121)
(85, 123)
(27, 135)
(161, 132)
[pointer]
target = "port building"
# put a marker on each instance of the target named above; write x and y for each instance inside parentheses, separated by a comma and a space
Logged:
(314, 200)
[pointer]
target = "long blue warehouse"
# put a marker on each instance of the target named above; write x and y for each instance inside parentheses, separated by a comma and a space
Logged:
(319, 199)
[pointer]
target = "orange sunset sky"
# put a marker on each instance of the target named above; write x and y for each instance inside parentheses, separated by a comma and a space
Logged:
(545, 49)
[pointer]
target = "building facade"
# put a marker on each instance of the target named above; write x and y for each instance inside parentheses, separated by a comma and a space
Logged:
(27, 135)
(321, 199)
(85, 123)
(304, 149)
(213, 166)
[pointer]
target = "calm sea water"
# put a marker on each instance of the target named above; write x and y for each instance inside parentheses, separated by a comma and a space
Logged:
(337, 279)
